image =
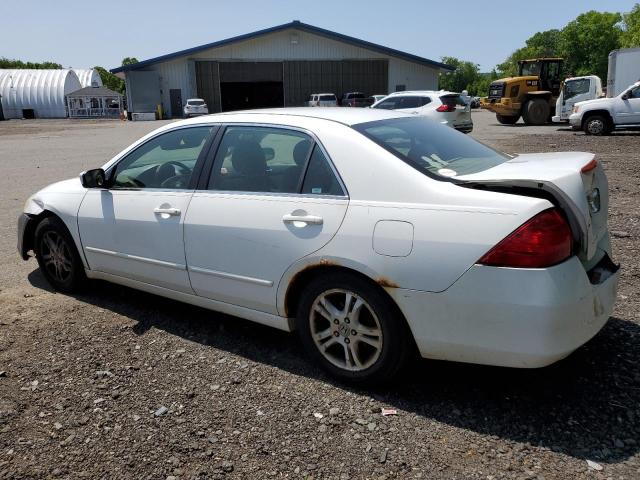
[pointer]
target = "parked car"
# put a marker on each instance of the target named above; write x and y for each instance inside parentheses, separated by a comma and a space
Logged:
(444, 107)
(370, 232)
(354, 99)
(194, 107)
(602, 115)
(322, 100)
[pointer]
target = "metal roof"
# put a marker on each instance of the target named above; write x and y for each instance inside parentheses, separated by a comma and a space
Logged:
(100, 91)
(305, 27)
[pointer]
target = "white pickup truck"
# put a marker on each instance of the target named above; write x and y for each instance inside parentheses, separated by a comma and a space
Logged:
(603, 115)
(574, 90)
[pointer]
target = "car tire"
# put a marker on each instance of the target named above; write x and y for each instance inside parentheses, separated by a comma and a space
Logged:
(369, 348)
(507, 119)
(536, 112)
(57, 256)
(597, 125)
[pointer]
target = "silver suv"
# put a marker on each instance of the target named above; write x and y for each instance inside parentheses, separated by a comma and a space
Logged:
(448, 108)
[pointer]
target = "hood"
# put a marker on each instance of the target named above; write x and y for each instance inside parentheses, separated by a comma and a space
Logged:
(595, 101)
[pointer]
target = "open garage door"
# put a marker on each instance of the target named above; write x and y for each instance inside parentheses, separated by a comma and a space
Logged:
(246, 85)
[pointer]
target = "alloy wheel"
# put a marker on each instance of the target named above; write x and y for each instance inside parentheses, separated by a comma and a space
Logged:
(346, 330)
(56, 256)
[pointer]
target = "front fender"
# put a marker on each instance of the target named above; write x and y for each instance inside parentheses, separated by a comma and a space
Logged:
(61, 199)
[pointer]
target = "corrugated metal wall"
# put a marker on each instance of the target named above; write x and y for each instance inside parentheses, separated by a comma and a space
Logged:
(302, 78)
(208, 84)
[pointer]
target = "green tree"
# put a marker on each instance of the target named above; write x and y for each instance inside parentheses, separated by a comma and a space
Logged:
(630, 36)
(129, 60)
(109, 80)
(10, 63)
(463, 77)
(587, 41)
(541, 44)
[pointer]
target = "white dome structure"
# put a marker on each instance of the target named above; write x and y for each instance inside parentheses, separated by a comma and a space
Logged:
(88, 77)
(36, 93)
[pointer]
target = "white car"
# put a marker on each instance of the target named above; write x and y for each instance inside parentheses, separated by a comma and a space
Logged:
(322, 100)
(370, 232)
(448, 108)
(602, 115)
(195, 106)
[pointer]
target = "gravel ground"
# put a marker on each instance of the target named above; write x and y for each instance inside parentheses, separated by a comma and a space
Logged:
(116, 383)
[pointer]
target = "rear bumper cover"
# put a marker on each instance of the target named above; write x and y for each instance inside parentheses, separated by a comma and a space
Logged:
(512, 317)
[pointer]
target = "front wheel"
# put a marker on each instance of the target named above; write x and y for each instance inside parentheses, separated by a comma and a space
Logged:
(57, 256)
(597, 125)
(352, 329)
(507, 119)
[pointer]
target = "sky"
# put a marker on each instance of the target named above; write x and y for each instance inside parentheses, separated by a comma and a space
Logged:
(87, 33)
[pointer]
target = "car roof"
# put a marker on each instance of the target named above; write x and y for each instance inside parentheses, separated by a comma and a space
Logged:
(346, 116)
(423, 92)
(189, 99)
(328, 93)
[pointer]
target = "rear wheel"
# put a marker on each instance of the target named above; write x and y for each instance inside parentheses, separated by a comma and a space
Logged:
(352, 329)
(536, 112)
(597, 125)
(507, 119)
(57, 256)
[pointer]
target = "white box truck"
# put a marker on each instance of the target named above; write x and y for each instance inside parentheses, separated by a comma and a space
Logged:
(624, 70)
(574, 90)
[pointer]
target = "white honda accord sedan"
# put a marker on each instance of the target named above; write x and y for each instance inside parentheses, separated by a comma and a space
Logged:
(374, 234)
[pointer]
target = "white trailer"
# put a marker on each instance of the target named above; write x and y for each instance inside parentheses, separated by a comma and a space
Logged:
(624, 70)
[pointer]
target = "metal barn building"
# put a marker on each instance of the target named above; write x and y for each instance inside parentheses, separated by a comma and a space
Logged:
(36, 93)
(275, 67)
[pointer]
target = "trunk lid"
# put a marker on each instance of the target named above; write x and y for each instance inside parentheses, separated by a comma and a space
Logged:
(559, 175)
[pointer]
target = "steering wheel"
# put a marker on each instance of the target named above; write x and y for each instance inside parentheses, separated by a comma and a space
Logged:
(177, 181)
(169, 171)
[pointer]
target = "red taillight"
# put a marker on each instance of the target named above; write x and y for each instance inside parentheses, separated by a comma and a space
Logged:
(543, 241)
(446, 108)
(589, 166)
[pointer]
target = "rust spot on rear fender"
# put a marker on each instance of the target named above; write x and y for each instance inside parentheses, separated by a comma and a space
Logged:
(324, 262)
(385, 282)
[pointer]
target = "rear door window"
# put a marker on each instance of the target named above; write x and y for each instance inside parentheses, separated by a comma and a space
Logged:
(320, 178)
(260, 159)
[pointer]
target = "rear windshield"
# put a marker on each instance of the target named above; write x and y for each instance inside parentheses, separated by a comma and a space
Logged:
(196, 102)
(327, 97)
(403, 101)
(433, 149)
(355, 95)
(452, 100)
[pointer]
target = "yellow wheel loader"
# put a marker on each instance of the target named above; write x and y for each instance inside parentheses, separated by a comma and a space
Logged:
(531, 95)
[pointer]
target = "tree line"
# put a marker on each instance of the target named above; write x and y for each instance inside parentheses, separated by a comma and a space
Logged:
(584, 43)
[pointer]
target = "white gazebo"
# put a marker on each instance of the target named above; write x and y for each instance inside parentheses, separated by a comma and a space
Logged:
(93, 102)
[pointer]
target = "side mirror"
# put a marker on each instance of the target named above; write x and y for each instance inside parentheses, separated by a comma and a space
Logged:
(95, 178)
(626, 96)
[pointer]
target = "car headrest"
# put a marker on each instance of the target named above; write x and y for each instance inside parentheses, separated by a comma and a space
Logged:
(301, 152)
(248, 158)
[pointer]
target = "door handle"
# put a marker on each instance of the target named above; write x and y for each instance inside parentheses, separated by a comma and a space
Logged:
(308, 219)
(166, 211)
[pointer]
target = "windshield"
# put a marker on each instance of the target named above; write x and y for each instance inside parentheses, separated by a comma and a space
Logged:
(576, 87)
(530, 69)
(433, 149)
